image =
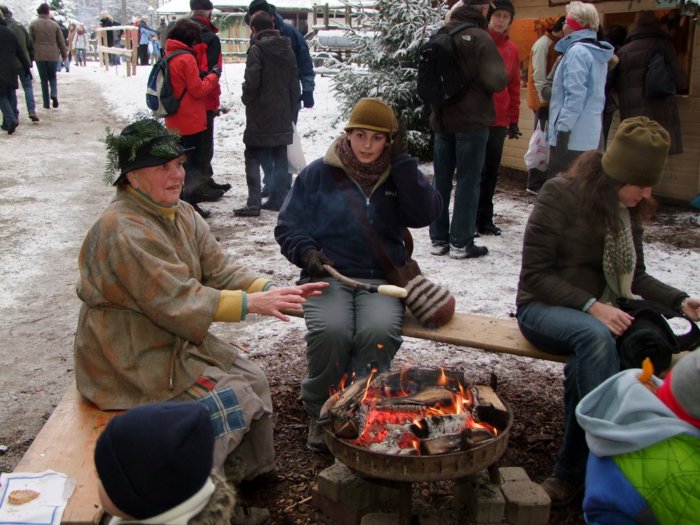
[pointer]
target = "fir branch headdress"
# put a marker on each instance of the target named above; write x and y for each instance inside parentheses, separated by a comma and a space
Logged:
(144, 142)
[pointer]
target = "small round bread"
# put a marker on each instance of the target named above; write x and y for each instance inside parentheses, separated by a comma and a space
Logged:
(20, 497)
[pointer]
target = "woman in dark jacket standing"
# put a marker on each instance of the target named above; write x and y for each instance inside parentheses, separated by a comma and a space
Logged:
(351, 331)
(644, 38)
(582, 251)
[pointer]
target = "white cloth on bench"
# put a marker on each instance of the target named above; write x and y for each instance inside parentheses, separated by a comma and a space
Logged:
(54, 490)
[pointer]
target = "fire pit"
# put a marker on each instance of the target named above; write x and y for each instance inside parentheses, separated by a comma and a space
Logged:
(441, 429)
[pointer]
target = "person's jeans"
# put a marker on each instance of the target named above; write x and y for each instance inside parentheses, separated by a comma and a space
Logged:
(7, 107)
(47, 75)
(463, 152)
(591, 359)
(266, 160)
(489, 175)
(277, 182)
(80, 57)
(28, 88)
(350, 331)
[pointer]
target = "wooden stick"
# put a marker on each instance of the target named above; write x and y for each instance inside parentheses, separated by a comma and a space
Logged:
(296, 503)
(384, 289)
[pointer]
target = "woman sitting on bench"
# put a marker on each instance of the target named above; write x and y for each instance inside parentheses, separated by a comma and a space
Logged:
(582, 251)
(152, 280)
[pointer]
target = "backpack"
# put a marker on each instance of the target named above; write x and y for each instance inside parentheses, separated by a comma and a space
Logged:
(658, 78)
(440, 80)
(651, 336)
(160, 97)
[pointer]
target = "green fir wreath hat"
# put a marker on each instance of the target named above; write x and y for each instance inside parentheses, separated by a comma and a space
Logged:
(143, 143)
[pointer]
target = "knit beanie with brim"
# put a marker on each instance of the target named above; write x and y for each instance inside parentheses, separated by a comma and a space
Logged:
(638, 152)
(372, 114)
(681, 389)
(201, 5)
(152, 458)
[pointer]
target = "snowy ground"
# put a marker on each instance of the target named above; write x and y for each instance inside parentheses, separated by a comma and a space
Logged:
(51, 190)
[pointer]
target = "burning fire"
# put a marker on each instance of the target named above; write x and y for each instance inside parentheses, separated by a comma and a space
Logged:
(406, 414)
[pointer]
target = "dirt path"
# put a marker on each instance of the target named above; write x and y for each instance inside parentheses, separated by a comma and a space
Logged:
(51, 191)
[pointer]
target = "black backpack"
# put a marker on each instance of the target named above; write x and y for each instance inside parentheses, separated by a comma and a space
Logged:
(440, 80)
(160, 97)
(658, 77)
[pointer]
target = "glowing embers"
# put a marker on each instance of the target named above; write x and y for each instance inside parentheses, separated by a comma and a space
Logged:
(417, 411)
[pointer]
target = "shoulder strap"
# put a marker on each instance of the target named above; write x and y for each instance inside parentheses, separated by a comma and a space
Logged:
(460, 27)
(367, 230)
(172, 55)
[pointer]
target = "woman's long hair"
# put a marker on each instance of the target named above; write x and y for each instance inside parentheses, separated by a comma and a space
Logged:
(598, 192)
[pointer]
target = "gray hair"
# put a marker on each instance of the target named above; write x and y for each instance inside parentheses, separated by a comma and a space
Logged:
(584, 14)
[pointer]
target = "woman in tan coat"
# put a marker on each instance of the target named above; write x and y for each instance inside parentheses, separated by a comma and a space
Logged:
(153, 279)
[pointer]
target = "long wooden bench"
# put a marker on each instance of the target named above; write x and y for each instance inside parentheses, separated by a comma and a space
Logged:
(66, 443)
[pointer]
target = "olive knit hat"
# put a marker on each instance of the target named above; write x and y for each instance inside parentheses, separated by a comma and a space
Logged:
(638, 152)
(152, 458)
(373, 114)
(681, 389)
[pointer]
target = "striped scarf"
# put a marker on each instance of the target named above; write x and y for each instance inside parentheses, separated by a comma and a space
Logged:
(366, 175)
(619, 260)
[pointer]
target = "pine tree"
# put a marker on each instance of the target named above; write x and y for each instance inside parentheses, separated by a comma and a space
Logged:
(387, 41)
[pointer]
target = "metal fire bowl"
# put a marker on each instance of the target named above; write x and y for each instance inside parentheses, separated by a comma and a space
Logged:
(420, 468)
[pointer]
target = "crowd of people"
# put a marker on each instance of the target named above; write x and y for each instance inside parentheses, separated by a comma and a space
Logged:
(153, 278)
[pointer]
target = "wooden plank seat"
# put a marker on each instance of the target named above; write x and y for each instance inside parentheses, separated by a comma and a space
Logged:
(66, 443)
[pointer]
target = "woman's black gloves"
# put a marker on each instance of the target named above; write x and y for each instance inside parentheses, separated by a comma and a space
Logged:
(314, 261)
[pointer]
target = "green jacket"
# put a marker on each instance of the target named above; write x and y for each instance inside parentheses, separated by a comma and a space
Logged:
(150, 288)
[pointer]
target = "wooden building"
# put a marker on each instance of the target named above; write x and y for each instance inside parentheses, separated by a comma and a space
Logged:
(681, 180)
(235, 33)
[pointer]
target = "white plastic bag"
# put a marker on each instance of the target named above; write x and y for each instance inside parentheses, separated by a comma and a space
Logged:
(295, 155)
(537, 154)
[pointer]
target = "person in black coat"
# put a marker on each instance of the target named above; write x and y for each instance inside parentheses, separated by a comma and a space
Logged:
(270, 91)
(10, 52)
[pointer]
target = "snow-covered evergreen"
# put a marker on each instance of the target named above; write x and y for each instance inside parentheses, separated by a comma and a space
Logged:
(387, 41)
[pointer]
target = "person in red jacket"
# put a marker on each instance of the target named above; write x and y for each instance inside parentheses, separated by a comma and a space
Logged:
(190, 121)
(208, 54)
(507, 105)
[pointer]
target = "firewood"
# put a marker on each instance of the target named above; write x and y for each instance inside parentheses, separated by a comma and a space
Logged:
(442, 444)
(486, 396)
(432, 396)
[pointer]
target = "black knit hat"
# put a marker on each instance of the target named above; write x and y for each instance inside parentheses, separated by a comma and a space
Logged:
(43, 9)
(141, 144)
(505, 5)
(259, 5)
(204, 5)
(152, 458)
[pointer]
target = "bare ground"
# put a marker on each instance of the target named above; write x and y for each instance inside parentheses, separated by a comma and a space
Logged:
(51, 192)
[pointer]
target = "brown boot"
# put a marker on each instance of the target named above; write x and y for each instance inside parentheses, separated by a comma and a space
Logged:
(561, 491)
